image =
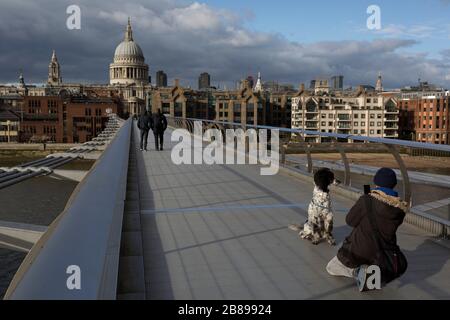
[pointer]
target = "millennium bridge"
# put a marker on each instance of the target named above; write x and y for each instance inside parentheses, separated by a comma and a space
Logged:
(138, 226)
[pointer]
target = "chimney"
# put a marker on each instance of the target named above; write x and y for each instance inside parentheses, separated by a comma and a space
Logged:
(176, 82)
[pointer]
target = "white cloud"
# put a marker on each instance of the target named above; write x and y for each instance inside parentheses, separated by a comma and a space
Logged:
(414, 31)
(185, 38)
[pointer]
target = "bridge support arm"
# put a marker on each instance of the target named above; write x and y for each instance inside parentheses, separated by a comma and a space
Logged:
(405, 176)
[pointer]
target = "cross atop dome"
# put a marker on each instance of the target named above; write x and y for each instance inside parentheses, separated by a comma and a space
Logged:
(129, 32)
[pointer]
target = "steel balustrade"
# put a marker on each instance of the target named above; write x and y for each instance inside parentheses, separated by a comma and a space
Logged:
(390, 144)
(86, 234)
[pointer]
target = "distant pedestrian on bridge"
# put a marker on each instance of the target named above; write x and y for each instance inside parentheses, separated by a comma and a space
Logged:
(159, 126)
(144, 124)
(375, 219)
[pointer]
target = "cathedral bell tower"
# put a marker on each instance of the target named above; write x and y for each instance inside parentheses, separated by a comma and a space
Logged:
(54, 71)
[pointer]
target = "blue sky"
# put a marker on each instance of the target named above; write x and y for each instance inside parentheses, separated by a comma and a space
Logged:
(313, 21)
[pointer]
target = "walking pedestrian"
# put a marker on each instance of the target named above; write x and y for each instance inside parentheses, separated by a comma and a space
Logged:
(159, 126)
(144, 125)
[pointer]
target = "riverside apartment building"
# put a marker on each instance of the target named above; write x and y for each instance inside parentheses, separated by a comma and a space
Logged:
(362, 112)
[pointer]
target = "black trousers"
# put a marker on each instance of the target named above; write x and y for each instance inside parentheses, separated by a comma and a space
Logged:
(144, 139)
(159, 140)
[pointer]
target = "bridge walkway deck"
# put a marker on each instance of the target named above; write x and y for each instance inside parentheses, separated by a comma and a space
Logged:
(220, 232)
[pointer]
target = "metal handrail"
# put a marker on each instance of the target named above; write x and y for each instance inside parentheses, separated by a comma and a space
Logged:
(397, 142)
(390, 144)
(87, 234)
(435, 225)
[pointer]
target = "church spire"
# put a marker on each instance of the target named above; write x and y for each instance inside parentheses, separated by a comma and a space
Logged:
(259, 85)
(379, 85)
(21, 79)
(54, 71)
(129, 32)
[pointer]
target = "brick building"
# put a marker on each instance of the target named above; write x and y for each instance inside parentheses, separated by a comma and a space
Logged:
(425, 117)
(73, 119)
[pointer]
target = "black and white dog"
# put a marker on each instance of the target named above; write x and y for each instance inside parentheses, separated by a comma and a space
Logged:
(319, 225)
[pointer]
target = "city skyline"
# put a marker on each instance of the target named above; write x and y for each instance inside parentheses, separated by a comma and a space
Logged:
(226, 40)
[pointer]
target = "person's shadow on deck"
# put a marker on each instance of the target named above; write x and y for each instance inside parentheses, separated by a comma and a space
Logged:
(157, 277)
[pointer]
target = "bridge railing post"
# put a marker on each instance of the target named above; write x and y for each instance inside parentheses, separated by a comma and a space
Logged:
(407, 196)
(309, 159)
(346, 163)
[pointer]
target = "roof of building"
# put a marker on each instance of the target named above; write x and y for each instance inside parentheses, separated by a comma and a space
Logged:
(6, 114)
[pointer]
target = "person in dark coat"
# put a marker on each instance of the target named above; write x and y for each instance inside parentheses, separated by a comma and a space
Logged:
(159, 123)
(144, 124)
(359, 248)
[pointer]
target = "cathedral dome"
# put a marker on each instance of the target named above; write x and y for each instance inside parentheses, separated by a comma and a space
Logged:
(128, 50)
(129, 65)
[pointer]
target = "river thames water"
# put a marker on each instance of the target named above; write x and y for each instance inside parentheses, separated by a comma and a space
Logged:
(36, 201)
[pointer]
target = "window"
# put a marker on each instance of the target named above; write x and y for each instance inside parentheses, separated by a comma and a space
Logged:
(330, 124)
(355, 131)
(378, 131)
(379, 124)
(379, 116)
(363, 116)
(331, 116)
(372, 131)
(355, 124)
(250, 111)
(178, 109)
(363, 124)
(165, 108)
(323, 124)
(372, 116)
(355, 116)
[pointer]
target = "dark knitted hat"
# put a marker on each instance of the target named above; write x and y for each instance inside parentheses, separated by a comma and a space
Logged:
(386, 178)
